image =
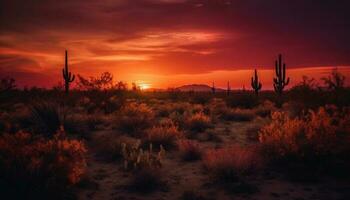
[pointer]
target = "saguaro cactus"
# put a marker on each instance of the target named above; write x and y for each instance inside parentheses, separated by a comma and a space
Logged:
(279, 82)
(67, 76)
(213, 88)
(228, 88)
(256, 85)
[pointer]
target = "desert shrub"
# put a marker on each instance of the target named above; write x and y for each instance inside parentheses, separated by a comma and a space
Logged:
(113, 104)
(47, 117)
(181, 107)
(33, 167)
(318, 135)
(198, 122)
(163, 110)
(81, 124)
(237, 115)
(134, 118)
(109, 147)
(265, 109)
(189, 150)
(233, 163)
(179, 119)
(217, 106)
(165, 134)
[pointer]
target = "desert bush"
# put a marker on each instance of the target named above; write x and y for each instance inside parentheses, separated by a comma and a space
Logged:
(134, 118)
(217, 106)
(232, 164)
(198, 122)
(163, 110)
(320, 133)
(265, 109)
(34, 167)
(189, 150)
(165, 134)
(237, 115)
(109, 147)
(47, 117)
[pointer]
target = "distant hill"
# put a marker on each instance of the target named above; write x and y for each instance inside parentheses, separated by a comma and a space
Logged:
(197, 88)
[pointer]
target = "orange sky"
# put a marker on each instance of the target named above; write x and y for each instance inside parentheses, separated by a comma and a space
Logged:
(169, 43)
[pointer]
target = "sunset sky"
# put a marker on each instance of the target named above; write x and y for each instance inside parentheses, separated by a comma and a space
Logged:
(168, 43)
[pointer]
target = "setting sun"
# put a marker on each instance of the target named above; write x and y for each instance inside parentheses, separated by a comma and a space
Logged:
(144, 86)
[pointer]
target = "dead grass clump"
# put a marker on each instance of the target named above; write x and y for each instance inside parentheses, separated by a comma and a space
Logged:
(165, 134)
(189, 150)
(198, 122)
(40, 168)
(232, 164)
(134, 118)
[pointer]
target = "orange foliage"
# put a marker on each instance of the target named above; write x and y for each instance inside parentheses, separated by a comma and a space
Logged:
(56, 161)
(232, 163)
(323, 132)
(165, 134)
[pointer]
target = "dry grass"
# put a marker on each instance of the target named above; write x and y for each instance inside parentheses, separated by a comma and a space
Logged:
(165, 134)
(134, 118)
(189, 150)
(232, 164)
(198, 122)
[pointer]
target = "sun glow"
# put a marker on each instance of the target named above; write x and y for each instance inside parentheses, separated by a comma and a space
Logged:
(144, 86)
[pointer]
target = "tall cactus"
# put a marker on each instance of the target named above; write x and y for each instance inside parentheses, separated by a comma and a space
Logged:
(213, 88)
(279, 82)
(256, 85)
(228, 88)
(67, 76)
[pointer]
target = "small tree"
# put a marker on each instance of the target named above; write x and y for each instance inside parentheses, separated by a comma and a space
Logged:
(335, 81)
(104, 82)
